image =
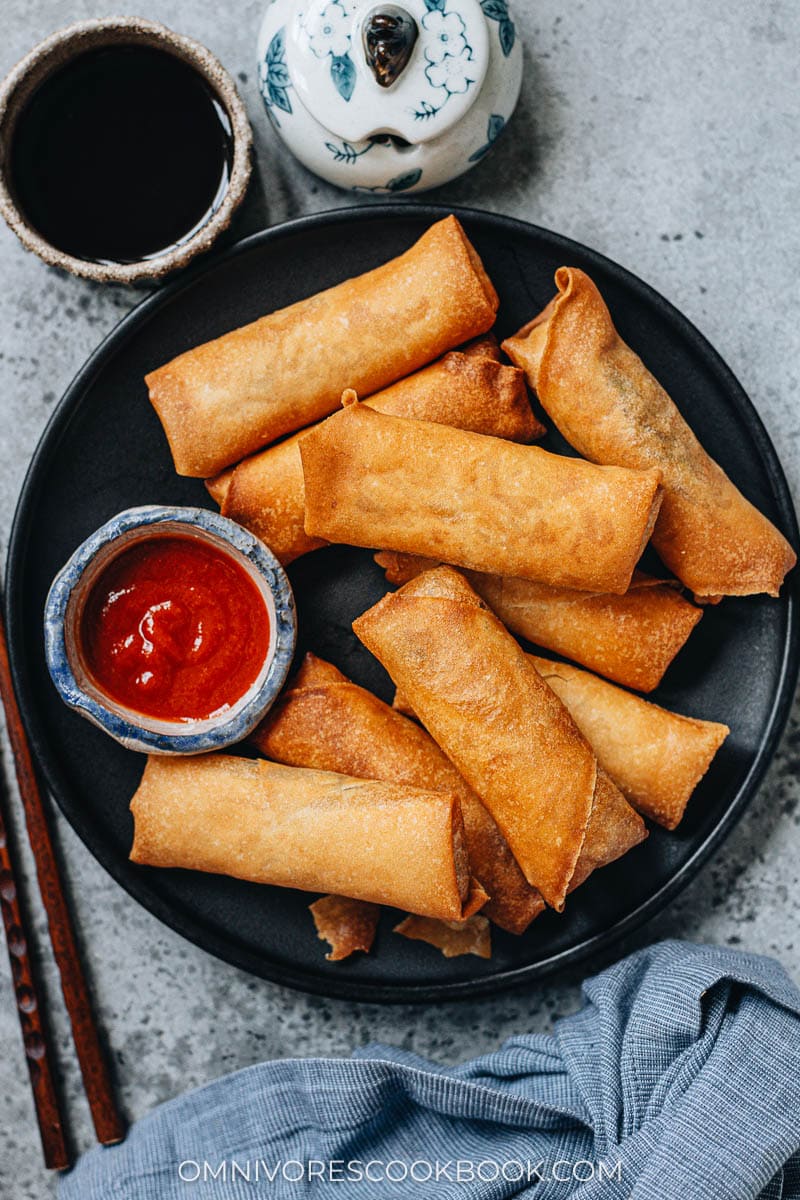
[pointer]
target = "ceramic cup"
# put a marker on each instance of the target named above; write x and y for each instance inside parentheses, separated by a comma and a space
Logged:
(60, 49)
(70, 590)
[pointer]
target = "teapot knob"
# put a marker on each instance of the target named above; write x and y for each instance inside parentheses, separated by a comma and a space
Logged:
(389, 35)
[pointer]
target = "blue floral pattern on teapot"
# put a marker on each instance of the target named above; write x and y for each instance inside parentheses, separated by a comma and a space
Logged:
(439, 118)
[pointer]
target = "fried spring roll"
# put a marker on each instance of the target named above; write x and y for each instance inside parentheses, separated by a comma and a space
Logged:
(478, 502)
(323, 720)
(313, 830)
(655, 757)
(506, 731)
(265, 493)
(611, 409)
(631, 639)
(227, 398)
(467, 390)
(486, 346)
(614, 826)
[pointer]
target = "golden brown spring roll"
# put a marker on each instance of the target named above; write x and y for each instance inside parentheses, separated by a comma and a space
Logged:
(655, 757)
(631, 639)
(266, 492)
(227, 398)
(611, 409)
(313, 830)
(479, 502)
(468, 391)
(484, 347)
(614, 826)
(506, 731)
(323, 720)
(346, 925)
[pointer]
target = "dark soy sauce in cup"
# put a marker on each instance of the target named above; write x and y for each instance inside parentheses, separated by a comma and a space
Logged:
(121, 154)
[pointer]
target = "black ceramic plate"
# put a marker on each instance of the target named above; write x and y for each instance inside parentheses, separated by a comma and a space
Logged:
(104, 450)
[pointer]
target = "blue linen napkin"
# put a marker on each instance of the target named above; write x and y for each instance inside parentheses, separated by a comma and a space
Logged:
(678, 1080)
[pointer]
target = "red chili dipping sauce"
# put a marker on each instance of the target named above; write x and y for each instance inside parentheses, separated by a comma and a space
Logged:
(174, 628)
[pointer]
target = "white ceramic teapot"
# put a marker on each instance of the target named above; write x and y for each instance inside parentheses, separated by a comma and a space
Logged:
(388, 98)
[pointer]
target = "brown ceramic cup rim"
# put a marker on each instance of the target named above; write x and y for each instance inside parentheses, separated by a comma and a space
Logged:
(60, 48)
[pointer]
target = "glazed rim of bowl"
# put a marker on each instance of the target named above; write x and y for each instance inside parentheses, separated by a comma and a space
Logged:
(61, 48)
(70, 591)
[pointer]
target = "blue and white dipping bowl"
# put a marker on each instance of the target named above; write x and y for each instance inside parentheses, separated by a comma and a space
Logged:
(134, 730)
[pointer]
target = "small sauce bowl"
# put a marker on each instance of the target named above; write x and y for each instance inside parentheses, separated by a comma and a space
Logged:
(70, 593)
(62, 51)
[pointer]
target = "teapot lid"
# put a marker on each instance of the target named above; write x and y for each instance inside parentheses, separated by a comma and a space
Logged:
(410, 69)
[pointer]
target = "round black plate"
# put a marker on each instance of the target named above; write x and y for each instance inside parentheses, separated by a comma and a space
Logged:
(104, 450)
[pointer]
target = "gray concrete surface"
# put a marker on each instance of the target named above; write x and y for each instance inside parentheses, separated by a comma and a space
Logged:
(666, 137)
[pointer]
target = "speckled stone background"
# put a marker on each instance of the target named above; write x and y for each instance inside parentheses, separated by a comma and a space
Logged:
(669, 139)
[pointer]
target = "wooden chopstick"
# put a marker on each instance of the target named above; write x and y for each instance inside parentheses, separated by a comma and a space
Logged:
(29, 1006)
(108, 1123)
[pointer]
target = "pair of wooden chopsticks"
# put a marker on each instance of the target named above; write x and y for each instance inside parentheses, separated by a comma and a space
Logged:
(108, 1123)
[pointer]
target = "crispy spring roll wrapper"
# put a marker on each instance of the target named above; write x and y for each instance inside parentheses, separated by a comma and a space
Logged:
(611, 409)
(346, 925)
(217, 486)
(227, 398)
(655, 757)
(479, 502)
(324, 720)
(313, 830)
(484, 703)
(484, 347)
(631, 639)
(614, 826)
(266, 492)
(453, 938)
(467, 390)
